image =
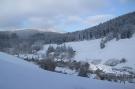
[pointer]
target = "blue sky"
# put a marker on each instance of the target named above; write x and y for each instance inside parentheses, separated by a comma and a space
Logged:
(60, 15)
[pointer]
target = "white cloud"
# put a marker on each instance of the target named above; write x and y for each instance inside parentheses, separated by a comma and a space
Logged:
(73, 20)
(45, 14)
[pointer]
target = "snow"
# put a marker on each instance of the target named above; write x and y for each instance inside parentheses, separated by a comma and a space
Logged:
(18, 74)
(66, 70)
(28, 56)
(90, 50)
(14, 60)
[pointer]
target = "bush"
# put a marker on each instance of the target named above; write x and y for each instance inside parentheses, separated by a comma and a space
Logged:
(96, 62)
(84, 70)
(123, 60)
(112, 62)
(99, 73)
(47, 64)
(77, 66)
(50, 50)
(102, 45)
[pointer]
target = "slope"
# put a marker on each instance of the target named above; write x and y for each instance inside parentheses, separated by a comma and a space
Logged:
(90, 50)
(18, 74)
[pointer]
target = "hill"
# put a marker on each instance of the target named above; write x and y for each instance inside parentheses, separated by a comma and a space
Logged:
(18, 74)
(121, 27)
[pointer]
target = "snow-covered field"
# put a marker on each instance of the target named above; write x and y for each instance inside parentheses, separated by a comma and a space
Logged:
(90, 50)
(19, 74)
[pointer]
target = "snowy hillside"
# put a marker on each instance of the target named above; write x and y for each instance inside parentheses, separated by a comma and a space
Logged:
(18, 74)
(88, 50)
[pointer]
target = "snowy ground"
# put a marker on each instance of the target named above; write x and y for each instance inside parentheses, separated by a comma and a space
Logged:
(18, 74)
(90, 50)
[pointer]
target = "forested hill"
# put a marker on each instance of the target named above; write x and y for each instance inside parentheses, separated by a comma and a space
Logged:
(120, 28)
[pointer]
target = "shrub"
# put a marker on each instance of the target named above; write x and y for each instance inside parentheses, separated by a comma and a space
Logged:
(84, 70)
(123, 60)
(77, 66)
(99, 73)
(50, 50)
(112, 62)
(47, 64)
(102, 45)
(96, 62)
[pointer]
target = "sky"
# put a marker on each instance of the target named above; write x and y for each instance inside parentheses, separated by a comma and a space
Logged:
(60, 15)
